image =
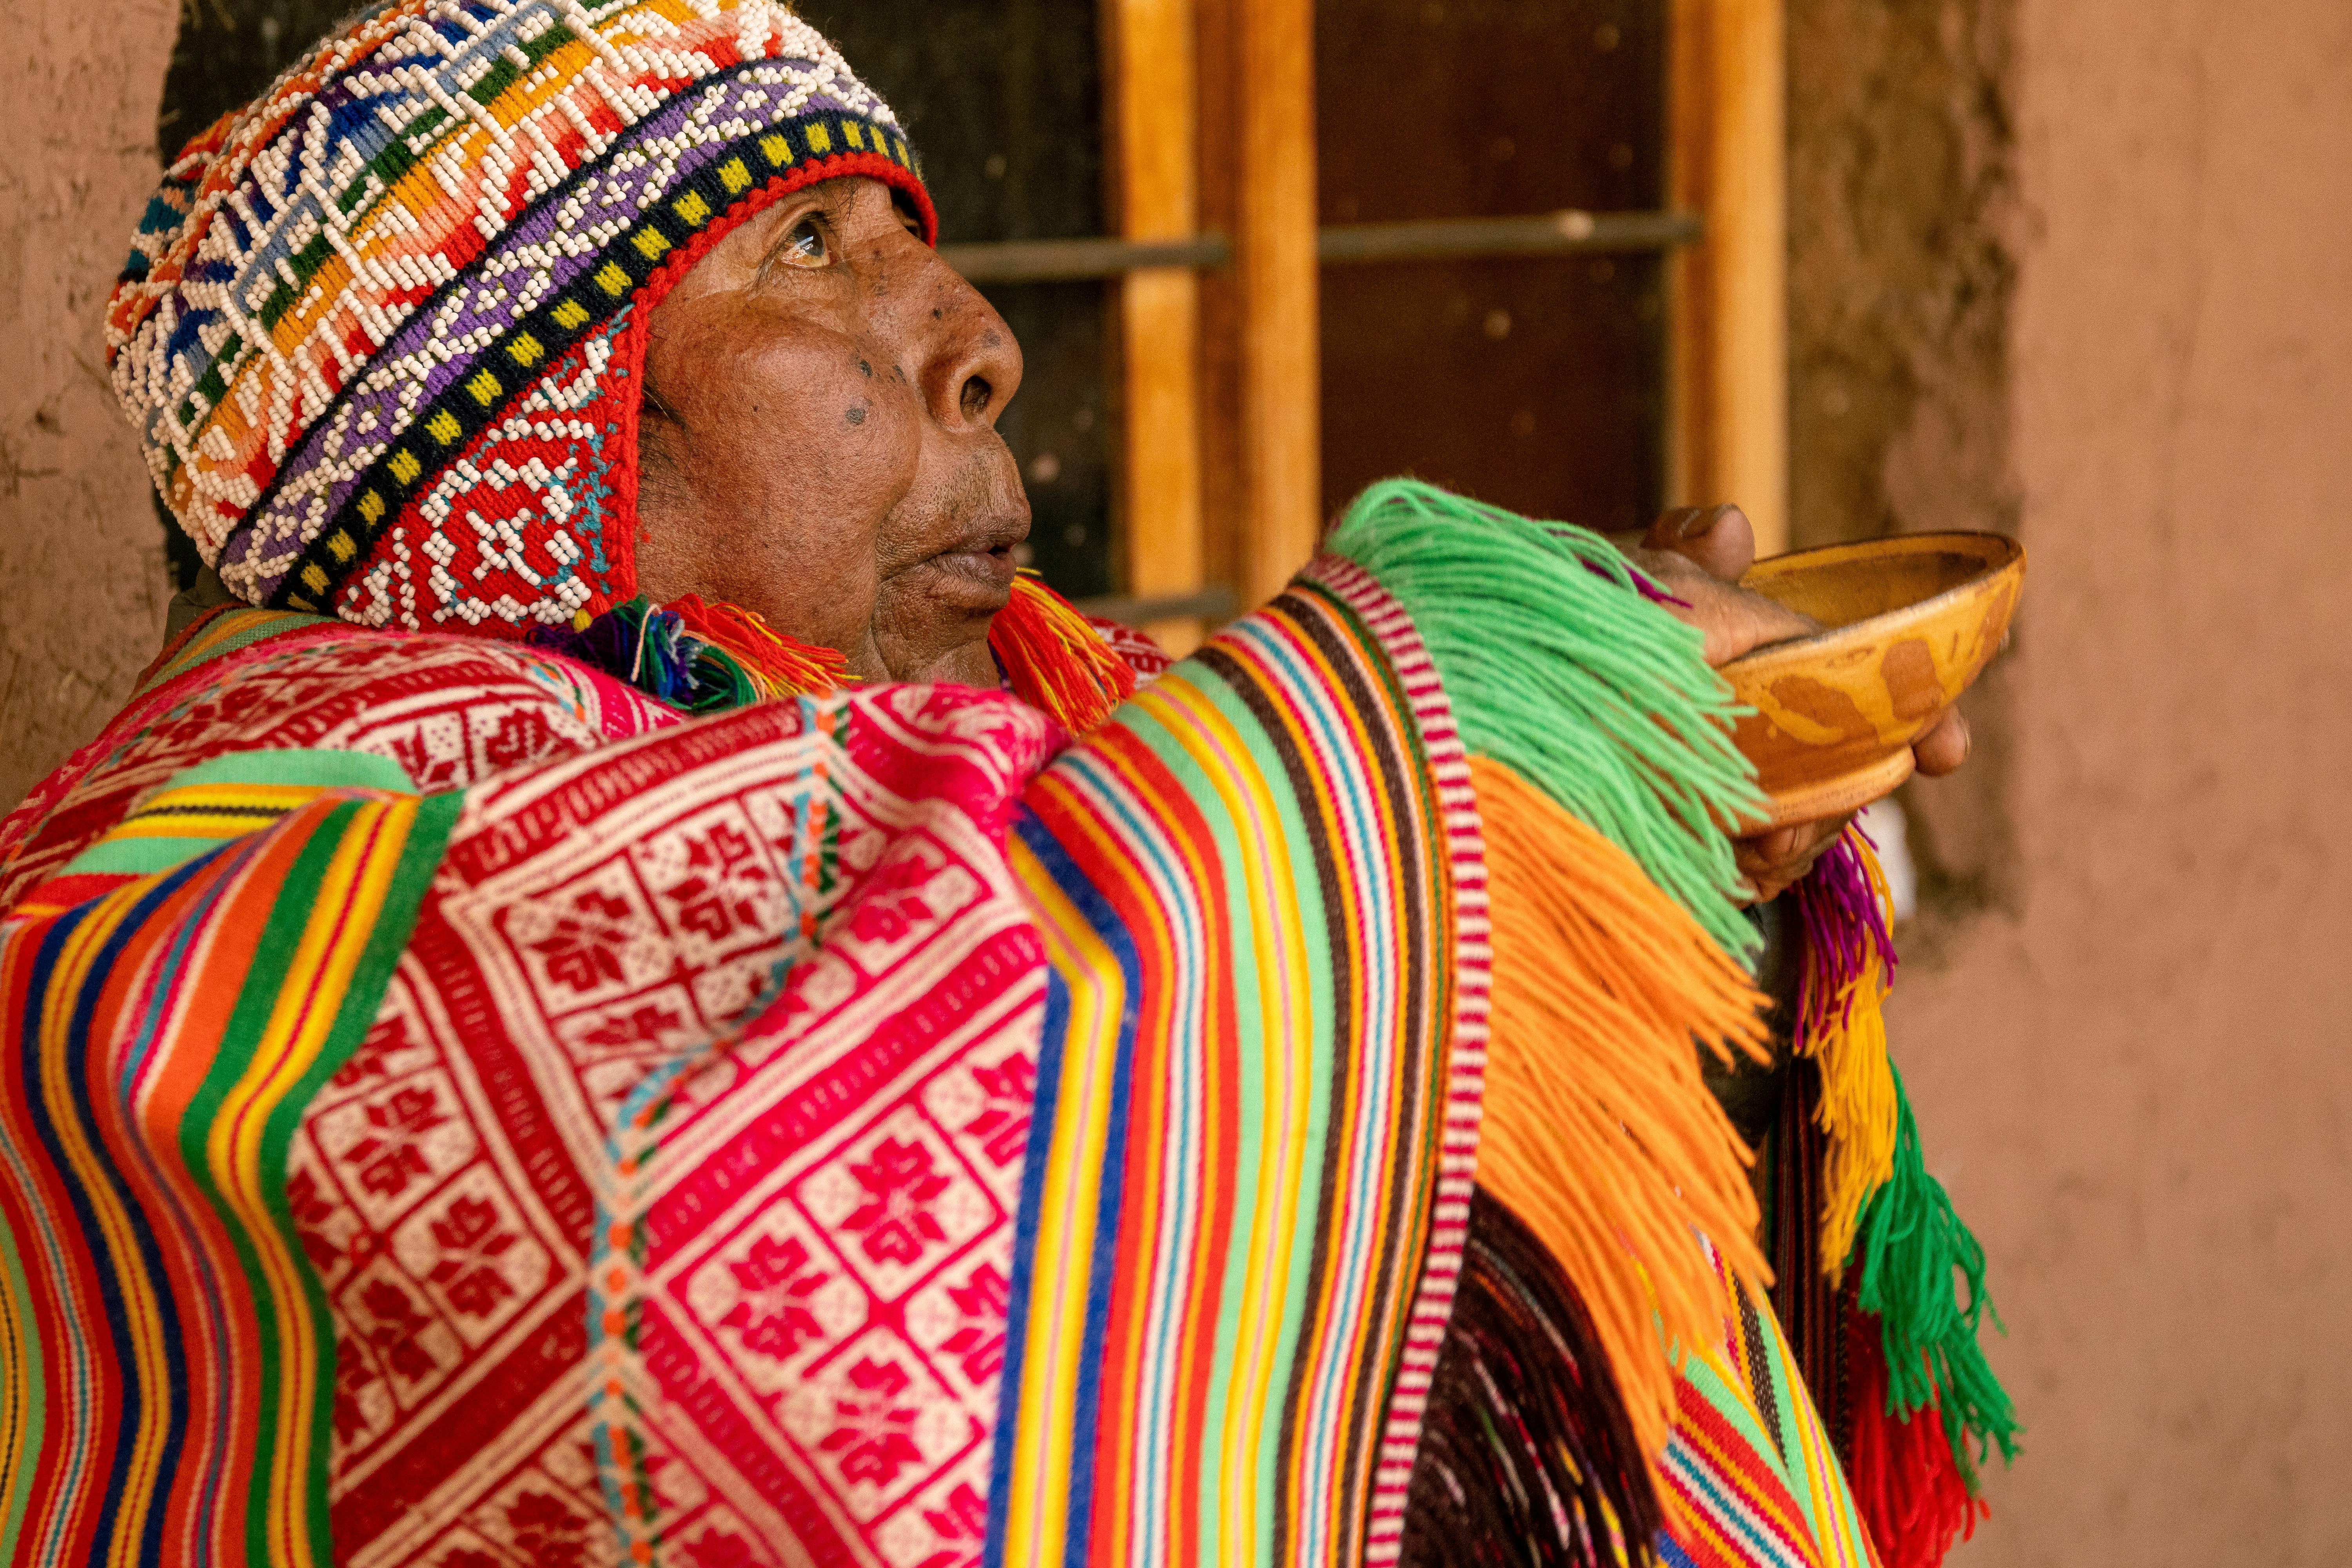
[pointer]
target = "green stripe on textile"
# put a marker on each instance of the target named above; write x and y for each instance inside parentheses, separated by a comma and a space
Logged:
(137, 857)
(248, 1026)
(428, 835)
(1791, 1399)
(1557, 665)
(256, 999)
(24, 1397)
(1913, 1243)
(145, 855)
(231, 631)
(1309, 920)
(299, 768)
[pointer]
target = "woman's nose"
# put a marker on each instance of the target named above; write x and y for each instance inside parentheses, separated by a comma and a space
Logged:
(970, 364)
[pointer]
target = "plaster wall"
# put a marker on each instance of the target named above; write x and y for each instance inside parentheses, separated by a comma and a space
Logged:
(2132, 1069)
(82, 588)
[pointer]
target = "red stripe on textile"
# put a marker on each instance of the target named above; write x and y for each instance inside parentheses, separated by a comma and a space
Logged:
(455, 1438)
(842, 1090)
(1709, 1443)
(1068, 810)
(677, 1372)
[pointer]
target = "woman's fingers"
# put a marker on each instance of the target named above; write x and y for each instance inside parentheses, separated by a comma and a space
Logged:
(1718, 538)
(1697, 554)
(1944, 746)
(1773, 859)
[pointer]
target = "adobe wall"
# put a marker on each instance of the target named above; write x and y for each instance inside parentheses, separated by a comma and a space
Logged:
(2131, 1060)
(81, 557)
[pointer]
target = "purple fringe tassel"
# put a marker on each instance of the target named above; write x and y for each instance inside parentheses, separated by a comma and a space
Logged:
(1844, 925)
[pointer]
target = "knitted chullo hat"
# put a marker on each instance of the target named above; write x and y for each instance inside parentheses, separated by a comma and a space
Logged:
(383, 332)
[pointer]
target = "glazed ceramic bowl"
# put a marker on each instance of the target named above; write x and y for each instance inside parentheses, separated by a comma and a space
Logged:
(1911, 621)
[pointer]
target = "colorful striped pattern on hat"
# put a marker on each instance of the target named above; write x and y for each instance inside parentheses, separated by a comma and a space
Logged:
(382, 332)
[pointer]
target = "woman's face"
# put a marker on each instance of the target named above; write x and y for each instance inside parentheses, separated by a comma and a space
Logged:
(818, 438)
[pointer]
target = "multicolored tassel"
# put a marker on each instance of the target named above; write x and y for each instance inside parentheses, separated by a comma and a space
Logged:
(775, 665)
(1906, 1481)
(1556, 663)
(1055, 659)
(1600, 756)
(1914, 1313)
(1840, 1024)
(695, 656)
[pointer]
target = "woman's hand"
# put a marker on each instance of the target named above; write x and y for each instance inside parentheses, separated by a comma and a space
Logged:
(1697, 554)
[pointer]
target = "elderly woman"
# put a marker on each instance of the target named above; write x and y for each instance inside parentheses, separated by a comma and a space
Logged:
(592, 1008)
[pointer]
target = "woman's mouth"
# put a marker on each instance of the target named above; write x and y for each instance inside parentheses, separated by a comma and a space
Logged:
(976, 572)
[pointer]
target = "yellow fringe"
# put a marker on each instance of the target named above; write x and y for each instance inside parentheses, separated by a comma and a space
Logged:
(1053, 658)
(1600, 1133)
(1857, 1108)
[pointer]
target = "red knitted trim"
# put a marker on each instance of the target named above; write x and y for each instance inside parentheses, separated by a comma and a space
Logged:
(629, 360)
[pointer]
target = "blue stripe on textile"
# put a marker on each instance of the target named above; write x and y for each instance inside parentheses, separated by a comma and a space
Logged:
(1729, 1511)
(1670, 1552)
(77, 1066)
(1105, 922)
(208, 1490)
(1041, 1110)
(1102, 1269)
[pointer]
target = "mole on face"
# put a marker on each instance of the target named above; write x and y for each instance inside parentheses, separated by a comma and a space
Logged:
(855, 416)
(865, 369)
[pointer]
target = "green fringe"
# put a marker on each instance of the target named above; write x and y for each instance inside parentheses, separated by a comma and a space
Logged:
(1557, 665)
(1912, 1243)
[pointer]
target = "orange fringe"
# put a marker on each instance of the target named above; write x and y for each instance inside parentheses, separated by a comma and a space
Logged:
(1600, 1133)
(1055, 659)
(778, 665)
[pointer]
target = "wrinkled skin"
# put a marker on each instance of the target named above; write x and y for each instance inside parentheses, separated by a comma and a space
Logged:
(1697, 554)
(818, 443)
(818, 438)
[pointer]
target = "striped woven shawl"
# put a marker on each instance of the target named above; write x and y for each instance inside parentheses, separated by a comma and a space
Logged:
(479, 1119)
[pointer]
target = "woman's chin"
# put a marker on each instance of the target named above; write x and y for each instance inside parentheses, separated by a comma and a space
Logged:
(969, 664)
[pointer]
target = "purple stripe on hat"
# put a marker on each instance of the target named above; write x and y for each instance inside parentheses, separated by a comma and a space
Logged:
(302, 489)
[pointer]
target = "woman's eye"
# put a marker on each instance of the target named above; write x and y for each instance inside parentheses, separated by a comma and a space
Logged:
(805, 245)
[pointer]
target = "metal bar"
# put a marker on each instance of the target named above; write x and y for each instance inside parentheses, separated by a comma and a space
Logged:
(1062, 260)
(1546, 234)
(1435, 239)
(1216, 604)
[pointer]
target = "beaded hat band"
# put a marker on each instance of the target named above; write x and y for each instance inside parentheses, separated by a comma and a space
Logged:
(382, 332)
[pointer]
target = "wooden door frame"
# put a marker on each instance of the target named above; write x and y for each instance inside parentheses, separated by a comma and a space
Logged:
(1211, 123)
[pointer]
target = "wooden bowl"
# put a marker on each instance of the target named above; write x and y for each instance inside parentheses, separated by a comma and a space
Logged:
(1912, 620)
